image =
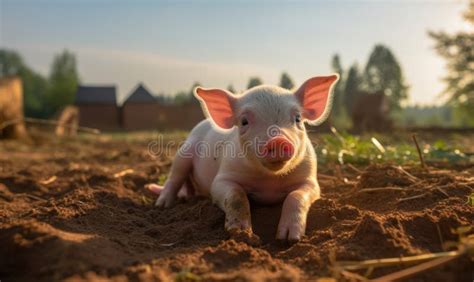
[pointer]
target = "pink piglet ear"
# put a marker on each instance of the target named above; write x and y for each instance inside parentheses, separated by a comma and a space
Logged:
(218, 105)
(315, 96)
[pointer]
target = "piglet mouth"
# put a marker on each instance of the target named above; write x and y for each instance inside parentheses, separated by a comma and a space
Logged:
(275, 165)
(278, 151)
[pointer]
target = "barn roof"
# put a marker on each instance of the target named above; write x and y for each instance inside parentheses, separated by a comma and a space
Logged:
(141, 94)
(96, 95)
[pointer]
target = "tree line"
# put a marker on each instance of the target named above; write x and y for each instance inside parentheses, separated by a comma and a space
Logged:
(188, 96)
(43, 96)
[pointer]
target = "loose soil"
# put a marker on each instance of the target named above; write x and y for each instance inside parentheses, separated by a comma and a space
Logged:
(68, 213)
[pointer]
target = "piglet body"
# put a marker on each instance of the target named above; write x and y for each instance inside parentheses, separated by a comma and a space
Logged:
(253, 146)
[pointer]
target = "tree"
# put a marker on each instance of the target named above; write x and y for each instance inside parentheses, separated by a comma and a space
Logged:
(191, 92)
(184, 97)
(458, 51)
(231, 89)
(35, 91)
(64, 80)
(286, 81)
(35, 86)
(336, 66)
(352, 87)
(254, 81)
(10, 63)
(383, 73)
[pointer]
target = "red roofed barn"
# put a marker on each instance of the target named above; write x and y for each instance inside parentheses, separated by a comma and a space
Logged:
(98, 107)
(140, 110)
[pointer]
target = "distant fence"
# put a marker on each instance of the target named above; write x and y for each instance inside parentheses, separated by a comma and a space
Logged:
(157, 116)
(183, 117)
(439, 129)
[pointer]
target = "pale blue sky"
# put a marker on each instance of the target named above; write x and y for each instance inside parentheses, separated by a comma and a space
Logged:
(169, 45)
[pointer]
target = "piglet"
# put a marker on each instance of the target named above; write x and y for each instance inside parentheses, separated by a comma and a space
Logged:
(253, 145)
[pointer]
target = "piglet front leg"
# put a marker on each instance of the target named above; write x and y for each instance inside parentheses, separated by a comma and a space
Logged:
(232, 199)
(294, 212)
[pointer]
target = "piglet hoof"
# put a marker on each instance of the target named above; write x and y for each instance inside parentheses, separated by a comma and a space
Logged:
(290, 234)
(244, 235)
(287, 242)
(165, 200)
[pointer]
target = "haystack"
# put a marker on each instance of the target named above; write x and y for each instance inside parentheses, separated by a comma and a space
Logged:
(68, 121)
(11, 108)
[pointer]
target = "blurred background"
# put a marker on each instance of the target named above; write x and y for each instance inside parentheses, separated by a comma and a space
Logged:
(132, 65)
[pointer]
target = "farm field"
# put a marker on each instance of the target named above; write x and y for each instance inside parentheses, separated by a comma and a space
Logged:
(76, 209)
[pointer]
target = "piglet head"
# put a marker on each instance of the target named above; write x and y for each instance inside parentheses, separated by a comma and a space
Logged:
(269, 119)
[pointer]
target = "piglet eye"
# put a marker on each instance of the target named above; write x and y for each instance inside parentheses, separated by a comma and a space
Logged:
(298, 118)
(244, 121)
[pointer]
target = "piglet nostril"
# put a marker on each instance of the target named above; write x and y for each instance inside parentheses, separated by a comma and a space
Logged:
(279, 148)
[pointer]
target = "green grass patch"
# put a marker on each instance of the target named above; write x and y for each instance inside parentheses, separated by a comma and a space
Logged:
(365, 149)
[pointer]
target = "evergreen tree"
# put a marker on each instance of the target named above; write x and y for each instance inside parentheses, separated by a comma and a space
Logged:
(336, 66)
(195, 84)
(286, 81)
(383, 73)
(64, 80)
(458, 50)
(231, 89)
(254, 81)
(191, 91)
(352, 87)
(184, 97)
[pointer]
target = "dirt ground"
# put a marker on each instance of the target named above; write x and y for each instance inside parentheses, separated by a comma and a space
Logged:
(68, 213)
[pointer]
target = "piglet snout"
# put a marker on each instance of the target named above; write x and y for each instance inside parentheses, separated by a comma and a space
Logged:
(278, 149)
